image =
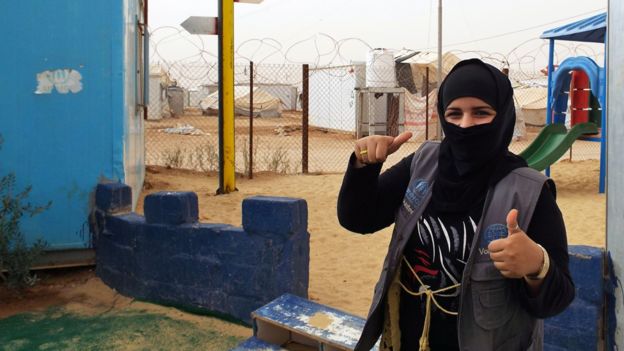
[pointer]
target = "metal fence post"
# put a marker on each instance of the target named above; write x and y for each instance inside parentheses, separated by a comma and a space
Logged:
(427, 104)
(304, 119)
(251, 111)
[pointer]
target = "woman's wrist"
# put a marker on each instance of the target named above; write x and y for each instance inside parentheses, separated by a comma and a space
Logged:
(544, 267)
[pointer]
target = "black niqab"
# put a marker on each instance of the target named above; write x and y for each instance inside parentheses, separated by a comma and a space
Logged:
(473, 159)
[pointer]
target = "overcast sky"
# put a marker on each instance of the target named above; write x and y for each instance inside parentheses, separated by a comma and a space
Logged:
(310, 27)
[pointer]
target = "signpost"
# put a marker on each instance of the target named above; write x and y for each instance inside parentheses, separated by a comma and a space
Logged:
(201, 25)
(224, 27)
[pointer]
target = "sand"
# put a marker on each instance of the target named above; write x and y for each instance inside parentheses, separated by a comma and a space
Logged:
(344, 266)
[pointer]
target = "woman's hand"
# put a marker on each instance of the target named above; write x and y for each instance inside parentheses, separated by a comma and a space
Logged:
(376, 148)
(516, 256)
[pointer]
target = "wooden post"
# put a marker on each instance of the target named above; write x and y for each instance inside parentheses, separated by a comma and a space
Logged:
(392, 115)
(251, 116)
(304, 119)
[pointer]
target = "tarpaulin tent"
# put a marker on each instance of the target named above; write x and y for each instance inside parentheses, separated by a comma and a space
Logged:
(264, 104)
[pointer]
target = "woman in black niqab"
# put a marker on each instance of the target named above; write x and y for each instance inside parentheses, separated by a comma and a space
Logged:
(473, 159)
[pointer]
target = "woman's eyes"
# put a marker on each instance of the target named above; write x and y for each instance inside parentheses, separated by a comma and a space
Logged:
(477, 113)
(484, 113)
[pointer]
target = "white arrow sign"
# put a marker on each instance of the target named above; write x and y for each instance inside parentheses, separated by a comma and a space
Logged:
(201, 25)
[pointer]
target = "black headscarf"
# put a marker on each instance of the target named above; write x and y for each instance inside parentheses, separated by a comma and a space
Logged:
(474, 158)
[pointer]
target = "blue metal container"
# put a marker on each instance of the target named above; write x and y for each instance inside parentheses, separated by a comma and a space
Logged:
(70, 111)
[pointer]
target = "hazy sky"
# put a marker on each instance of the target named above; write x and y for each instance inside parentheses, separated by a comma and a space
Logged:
(308, 25)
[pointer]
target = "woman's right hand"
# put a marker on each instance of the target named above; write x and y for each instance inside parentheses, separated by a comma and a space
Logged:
(376, 148)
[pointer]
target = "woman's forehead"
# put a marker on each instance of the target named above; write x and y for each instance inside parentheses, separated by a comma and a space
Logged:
(469, 102)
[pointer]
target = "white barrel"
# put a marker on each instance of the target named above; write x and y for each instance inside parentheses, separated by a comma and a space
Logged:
(380, 72)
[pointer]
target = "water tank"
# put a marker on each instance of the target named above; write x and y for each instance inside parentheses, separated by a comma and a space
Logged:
(380, 69)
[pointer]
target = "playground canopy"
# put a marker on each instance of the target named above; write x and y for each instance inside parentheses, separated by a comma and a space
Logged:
(592, 30)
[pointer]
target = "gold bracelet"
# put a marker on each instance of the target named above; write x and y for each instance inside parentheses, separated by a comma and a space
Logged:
(545, 266)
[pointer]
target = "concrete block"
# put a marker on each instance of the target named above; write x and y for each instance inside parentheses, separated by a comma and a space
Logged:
(587, 270)
(167, 207)
(561, 338)
(276, 216)
(292, 269)
(548, 347)
(125, 228)
(242, 306)
(170, 258)
(577, 328)
(113, 197)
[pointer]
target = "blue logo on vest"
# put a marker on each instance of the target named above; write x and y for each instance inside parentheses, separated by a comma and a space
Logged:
(494, 232)
(415, 194)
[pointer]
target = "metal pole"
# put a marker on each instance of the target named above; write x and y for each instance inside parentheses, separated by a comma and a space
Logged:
(439, 71)
(304, 119)
(251, 110)
(549, 100)
(427, 104)
(227, 180)
(615, 177)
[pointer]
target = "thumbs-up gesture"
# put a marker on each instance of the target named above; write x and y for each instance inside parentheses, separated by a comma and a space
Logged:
(376, 148)
(516, 255)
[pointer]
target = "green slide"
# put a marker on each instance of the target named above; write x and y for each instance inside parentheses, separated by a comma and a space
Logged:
(552, 142)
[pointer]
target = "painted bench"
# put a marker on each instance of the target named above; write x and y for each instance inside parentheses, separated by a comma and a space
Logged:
(294, 323)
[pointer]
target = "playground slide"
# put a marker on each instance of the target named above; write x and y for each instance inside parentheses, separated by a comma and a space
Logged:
(552, 142)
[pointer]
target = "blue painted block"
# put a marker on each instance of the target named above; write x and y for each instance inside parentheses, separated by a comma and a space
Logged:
(125, 228)
(549, 347)
(254, 344)
(168, 207)
(113, 197)
(577, 328)
(569, 340)
(292, 270)
(587, 269)
(294, 313)
(276, 216)
(124, 283)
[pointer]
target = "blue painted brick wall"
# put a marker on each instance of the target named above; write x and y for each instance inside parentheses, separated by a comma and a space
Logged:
(579, 326)
(168, 257)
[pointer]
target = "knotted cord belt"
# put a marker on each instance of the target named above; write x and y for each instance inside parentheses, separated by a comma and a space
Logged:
(425, 290)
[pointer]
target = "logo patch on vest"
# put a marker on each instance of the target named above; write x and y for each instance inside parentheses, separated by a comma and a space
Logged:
(415, 194)
(493, 232)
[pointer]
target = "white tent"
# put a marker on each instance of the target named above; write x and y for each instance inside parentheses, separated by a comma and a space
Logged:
(264, 104)
(531, 102)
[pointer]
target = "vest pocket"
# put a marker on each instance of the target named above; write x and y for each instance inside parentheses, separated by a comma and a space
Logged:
(491, 297)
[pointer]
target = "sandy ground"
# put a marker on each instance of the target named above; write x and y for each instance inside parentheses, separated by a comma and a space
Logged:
(343, 266)
(79, 291)
(345, 278)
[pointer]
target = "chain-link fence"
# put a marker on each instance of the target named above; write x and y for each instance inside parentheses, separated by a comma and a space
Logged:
(182, 125)
(283, 125)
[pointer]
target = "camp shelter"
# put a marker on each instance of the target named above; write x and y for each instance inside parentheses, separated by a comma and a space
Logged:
(159, 80)
(531, 103)
(264, 103)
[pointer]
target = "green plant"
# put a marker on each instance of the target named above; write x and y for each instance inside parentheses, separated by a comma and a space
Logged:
(174, 158)
(16, 256)
(278, 161)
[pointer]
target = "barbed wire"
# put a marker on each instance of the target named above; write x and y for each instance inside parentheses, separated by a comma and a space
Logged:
(525, 61)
